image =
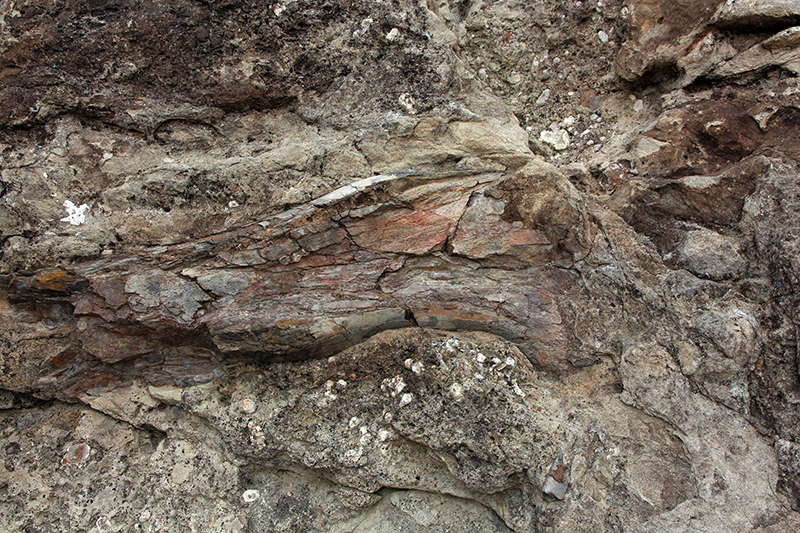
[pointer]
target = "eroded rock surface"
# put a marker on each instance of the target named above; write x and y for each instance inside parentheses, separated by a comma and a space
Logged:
(381, 266)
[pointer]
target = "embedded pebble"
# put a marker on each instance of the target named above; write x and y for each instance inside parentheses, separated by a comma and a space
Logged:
(407, 101)
(406, 399)
(558, 139)
(103, 525)
(417, 367)
(457, 390)
(248, 406)
(394, 385)
(556, 481)
(354, 454)
(517, 390)
(250, 495)
(543, 97)
(603, 36)
(638, 105)
(77, 455)
(393, 34)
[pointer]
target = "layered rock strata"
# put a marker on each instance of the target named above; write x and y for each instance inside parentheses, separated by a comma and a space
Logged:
(382, 266)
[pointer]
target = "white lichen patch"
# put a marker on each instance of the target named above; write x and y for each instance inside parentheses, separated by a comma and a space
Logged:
(250, 495)
(76, 215)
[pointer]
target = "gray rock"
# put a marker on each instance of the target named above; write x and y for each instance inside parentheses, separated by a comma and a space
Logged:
(709, 255)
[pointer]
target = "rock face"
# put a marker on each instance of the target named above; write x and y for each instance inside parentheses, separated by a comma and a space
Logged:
(382, 266)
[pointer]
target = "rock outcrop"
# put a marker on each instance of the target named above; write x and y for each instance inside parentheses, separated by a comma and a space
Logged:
(317, 265)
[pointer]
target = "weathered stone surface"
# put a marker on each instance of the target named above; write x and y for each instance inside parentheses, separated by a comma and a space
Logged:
(311, 266)
(709, 255)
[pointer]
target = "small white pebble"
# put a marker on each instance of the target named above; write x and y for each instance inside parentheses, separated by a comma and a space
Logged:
(638, 105)
(353, 422)
(510, 361)
(232, 204)
(481, 358)
(417, 367)
(408, 362)
(384, 434)
(393, 34)
(603, 36)
(250, 495)
(457, 390)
